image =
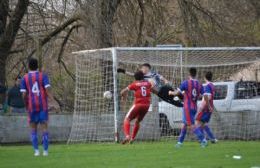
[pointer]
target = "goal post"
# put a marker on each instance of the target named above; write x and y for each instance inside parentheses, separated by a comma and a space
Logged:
(235, 73)
(115, 97)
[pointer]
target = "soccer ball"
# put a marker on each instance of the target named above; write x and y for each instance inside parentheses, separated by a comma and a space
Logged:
(107, 95)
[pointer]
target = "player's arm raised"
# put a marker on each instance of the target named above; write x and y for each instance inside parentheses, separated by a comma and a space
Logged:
(123, 94)
(175, 93)
(180, 90)
(164, 80)
(121, 70)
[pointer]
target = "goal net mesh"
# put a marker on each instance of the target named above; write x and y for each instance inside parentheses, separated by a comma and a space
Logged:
(236, 75)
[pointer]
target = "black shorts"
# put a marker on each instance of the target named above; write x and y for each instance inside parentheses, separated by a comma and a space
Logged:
(163, 93)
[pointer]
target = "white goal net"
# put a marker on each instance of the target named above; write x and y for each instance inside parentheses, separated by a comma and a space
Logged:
(236, 76)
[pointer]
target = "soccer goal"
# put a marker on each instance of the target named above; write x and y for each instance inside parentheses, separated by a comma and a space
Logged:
(236, 75)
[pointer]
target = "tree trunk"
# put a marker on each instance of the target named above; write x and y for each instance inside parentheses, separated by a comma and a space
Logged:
(108, 10)
(2, 70)
(2, 78)
(8, 32)
(105, 38)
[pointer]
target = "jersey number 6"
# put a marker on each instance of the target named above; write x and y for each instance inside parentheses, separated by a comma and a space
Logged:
(143, 89)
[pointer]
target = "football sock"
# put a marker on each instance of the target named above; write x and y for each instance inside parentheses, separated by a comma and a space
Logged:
(182, 134)
(127, 128)
(209, 133)
(202, 130)
(135, 131)
(34, 139)
(197, 132)
(45, 140)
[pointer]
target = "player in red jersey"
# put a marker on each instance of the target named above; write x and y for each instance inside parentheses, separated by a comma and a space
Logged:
(142, 94)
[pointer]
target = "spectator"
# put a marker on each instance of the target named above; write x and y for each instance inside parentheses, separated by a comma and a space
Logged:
(15, 99)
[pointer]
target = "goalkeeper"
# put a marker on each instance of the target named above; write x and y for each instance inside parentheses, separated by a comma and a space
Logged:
(161, 85)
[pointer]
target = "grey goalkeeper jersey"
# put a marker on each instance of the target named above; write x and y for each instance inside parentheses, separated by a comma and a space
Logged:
(155, 77)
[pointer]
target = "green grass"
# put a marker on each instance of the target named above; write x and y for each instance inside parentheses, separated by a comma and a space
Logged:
(139, 155)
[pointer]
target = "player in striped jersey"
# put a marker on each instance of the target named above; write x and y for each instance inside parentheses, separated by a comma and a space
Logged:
(206, 108)
(161, 85)
(191, 89)
(35, 87)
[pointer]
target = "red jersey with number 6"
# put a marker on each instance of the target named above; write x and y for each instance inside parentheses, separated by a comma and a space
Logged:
(142, 91)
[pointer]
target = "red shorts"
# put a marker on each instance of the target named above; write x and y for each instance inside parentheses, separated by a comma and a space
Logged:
(137, 111)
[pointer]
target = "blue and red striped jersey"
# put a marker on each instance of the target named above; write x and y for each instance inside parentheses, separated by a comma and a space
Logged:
(191, 90)
(34, 84)
(209, 90)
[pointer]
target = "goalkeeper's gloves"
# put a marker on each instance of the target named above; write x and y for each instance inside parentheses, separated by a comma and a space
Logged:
(121, 70)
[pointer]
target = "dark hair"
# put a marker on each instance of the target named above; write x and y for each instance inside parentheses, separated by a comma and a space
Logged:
(193, 72)
(209, 76)
(33, 64)
(147, 65)
(139, 75)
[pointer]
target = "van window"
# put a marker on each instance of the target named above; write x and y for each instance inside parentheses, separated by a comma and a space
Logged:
(246, 90)
(220, 92)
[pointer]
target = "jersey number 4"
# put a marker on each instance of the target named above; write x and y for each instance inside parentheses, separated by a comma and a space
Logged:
(35, 89)
(143, 89)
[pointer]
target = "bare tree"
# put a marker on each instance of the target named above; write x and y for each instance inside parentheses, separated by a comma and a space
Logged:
(8, 30)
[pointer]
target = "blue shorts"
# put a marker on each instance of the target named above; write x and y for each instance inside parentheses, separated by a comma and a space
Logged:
(38, 117)
(204, 117)
(188, 116)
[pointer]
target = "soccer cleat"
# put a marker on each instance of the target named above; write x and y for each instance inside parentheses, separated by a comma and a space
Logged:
(178, 145)
(204, 143)
(214, 141)
(131, 141)
(36, 152)
(45, 153)
(127, 140)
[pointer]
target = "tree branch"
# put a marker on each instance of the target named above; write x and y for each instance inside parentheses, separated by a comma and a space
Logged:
(62, 50)
(141, 23)
(4, 8)
(13, 26)
(55, 32)
(59, 29)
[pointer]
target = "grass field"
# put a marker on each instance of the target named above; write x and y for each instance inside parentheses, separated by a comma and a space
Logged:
(139, 155)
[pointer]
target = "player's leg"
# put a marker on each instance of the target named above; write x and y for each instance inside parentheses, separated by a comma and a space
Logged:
(198, 119)
(163, 93)
(33, 120)
(132, 113)
(135, 130)
(185, 120)
(45, 134)
(210, 134)
(142, 111)
(196, 127)
(200, 136)
(182, 135)
(34, 139)
(45, 138)
(203, 118)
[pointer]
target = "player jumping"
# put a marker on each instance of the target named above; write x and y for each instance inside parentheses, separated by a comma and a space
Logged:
(161, 85)
(142, 93)
(191, 89)
(206, 107)
(35, 87)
